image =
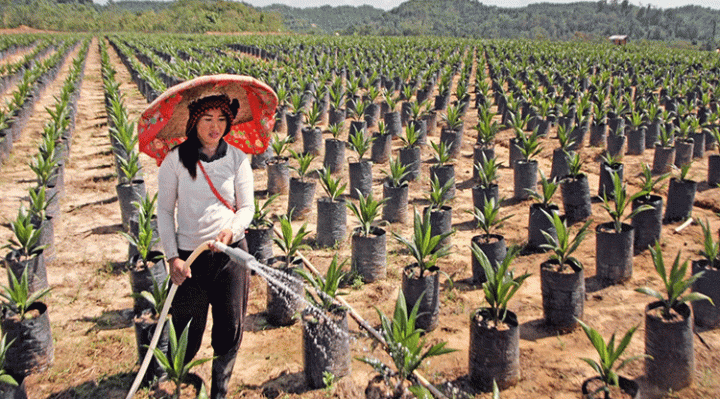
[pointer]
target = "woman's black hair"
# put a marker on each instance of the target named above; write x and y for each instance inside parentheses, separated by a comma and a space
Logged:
(189, 149)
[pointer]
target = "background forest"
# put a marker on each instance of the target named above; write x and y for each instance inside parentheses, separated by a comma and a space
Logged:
(459, 18)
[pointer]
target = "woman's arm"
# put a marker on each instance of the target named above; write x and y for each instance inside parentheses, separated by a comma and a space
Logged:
(244, 199)
(167, 198)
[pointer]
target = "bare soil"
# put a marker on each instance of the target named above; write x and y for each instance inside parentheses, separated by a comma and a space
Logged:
(91, 308)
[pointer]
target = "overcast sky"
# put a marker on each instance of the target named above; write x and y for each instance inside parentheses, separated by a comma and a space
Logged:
(388, 4)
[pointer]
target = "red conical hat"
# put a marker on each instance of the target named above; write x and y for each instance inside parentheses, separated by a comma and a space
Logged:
(162, 124)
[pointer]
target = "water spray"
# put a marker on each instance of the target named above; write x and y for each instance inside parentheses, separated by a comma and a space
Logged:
(244, 259)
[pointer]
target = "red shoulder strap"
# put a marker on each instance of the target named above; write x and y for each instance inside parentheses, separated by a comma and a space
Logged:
(212, 187)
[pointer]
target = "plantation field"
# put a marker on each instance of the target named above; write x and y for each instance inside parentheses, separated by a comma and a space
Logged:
(90, 305)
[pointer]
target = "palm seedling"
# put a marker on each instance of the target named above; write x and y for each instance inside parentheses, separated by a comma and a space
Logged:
(609, 355)
(129, 166)
(44, 168)
(412, 136)
(280, 146)
(360, 143)
(711, 248)
(438, 192)
(684, 170)
(563, 134)
(453, 117)
(304, 161)
(145, 239)
(175, 365)
(39, 202)
(5, 377)
(501, 284)
(405, 345)
(441, 153)
(487, 171)
(296, 102)
(647, 183)
(620, 203)
(158, 296)
(313, 115)
(673, 283)
(335, 129)
(396, 173)
(366, 211)
(488, 219)
(332, 185)
(24, 244)
(425, 247)
(487, 128)
(324, 290)
(544, 197)
(564, 246)
(17, 296)
(290, 243)
(358, 111)
(575, 164)
(336, 97)
(390, 99)
(260, 217)
(529, 146)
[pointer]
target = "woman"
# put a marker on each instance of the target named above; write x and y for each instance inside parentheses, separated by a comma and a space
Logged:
(210, 185)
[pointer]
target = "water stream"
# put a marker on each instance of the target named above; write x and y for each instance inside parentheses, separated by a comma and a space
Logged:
(283, 282)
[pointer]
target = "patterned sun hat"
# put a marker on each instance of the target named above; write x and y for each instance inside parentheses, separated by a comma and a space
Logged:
(162, 125)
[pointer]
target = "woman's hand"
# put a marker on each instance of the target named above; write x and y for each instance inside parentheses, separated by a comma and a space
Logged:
(178, 271)
(225, 236)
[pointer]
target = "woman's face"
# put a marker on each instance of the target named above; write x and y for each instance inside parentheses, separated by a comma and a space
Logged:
(210, 127)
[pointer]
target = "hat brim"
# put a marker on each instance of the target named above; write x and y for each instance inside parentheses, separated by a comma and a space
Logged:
(162, 124)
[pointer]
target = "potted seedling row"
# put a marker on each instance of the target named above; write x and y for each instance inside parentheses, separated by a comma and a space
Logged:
(395, 192)
(562, 276)
(25, 322)
(494, 352)
(491, 244)
(283, 303)
(576, 192)
(487, 188)
(368, 242)
(260, 232)
(538, 224)
(410, 153)
(331, 211)
(614, 247)
(25, 254)
(647, 224)
(360, 171)
(146, 323)
(326, 337)
(302, 187)
(669, 325)
(706, 313)
(420, 280)
(407, 349)
(608, 384)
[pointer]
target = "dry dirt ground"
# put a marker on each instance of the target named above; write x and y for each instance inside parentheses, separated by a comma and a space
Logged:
(90, 306)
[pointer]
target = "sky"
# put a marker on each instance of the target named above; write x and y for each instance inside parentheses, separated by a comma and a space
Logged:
(389, 4)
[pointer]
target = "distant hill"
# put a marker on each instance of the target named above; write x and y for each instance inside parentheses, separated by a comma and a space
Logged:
(179, 16)
(470, 18)
(325, 19)
(142, 5)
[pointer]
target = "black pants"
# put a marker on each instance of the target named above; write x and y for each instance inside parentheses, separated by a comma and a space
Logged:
(219, 282)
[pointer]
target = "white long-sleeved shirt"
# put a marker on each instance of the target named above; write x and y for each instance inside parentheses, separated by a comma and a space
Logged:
(200, 215)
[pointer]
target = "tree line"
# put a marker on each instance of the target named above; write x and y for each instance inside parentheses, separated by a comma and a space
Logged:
(457, 18)
(471, 18)
(179, 16)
